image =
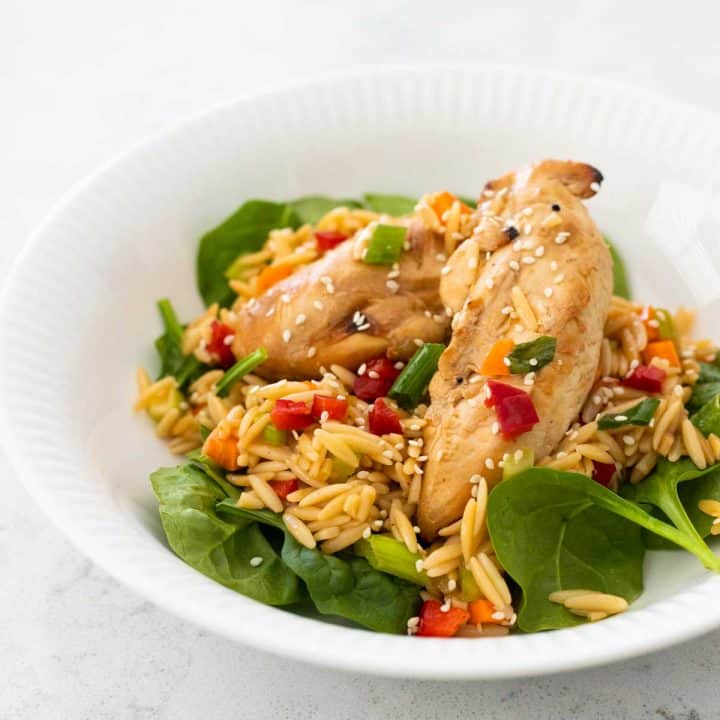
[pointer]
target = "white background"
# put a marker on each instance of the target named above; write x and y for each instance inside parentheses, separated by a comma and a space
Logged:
(80, 81)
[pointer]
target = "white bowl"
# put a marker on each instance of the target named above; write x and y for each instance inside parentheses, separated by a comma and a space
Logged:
(78, 314)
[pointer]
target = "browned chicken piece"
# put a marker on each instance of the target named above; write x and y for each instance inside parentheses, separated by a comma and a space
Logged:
(341, 310)
(558, 262)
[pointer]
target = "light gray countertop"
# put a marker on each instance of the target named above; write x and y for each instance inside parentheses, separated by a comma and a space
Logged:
(82, 81)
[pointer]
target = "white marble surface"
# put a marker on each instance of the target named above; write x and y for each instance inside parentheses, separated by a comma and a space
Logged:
(82, 80)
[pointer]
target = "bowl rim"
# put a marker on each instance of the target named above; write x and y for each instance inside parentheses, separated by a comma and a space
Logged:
(658, 632)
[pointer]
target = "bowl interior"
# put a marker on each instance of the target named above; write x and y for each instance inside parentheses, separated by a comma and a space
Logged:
(128, 236)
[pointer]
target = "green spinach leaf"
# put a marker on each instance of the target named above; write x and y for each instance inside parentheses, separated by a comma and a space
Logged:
(640, 414)
(220, 548)
(311, 208)
(244, 231)
(621, 282)
(550, 533)
(705, 488)
(345, 585)
(185, 368)
(707, 418)
(389, 204)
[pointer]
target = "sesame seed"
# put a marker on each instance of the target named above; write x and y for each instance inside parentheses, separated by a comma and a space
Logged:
(286, 335)
(441, 257)
(475, 378)
(514, 265)
(367, 532)
(452, 585)
(540, 251)
(559, 278)
(595, 186)
(475, 478)
(628, 439)
(270, 312)
(489, 283)
(439, 455)
(547, 292)
(324, 416)
(448, 311)
(373, 374)
(393, 274)
(529, 379)
(256, 561)
(419, 342)
(527, 211)
(399, 365)
(445, 607)
(506, 361)
(228, 340)
(489, 463)
(445, 270)
(300, 318)
(495, 428)
(562, 237)
(285, 297)
(533, 362)
(507, 310)
(553, 265)
(498, 615)
(419, 565)
(318, 305)
(621, 418)
(528, 228)
(312, 352)
(517, 245)
(529, 260)
(361, 370)
(561, 454)
(392, 285)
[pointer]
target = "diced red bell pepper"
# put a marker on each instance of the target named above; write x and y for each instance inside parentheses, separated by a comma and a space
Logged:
(335, 408)
(218, 347)
(647, 378)
(516, 415)
(291, 415)
(376, 380)
(498, 391)
(382, 419)
(603, 472)
(283, 488)
(328, 239)
(436, 623)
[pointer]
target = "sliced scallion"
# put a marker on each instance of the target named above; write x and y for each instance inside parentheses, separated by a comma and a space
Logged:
(640, 414)
(531, 356)
(273, 435)
(389, 555)
(239, 370)
(410, 386)
(386, 245)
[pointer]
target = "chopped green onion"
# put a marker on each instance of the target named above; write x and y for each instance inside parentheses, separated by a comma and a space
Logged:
(273, 435)
(469, 589)
(239, 370)
(666, 324)
(411, 384)
(640, 414)
(158, 408)
(340, 470)
(389, 555)
(385, 245)
(517, 462)
(531, 356)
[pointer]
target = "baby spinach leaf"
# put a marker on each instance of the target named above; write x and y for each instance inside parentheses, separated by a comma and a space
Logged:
(621, 282)
(702, 394)
(660, 489)
(345, 585)
(220, 548)
(184, 368)
(244, 231)
(389, 204)
(531, 356)
(705, 488)
(640, 414)
(550, 533)
(311, 208)
(707, 418)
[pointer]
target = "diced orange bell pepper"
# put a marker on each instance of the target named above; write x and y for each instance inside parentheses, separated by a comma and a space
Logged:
(494, 363)
(482, 611)
(273, 274)
(443, 201)
(662, 349)
(222, 450)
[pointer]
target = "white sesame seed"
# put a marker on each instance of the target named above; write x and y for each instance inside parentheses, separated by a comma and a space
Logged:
(547, 292)
(475, 378)
(255, 561)
(517, 245)
(553, 265)
(228, 340)
(286, 335)
(628, 439)
(392, 285)
(399, 365)
(529, 379)
(533, 362)
(312, 352)
(367, 532)
(324, 416)
(373, 374)
(527, 211)
(489, 283)
(475, 478)
(393, 274)
(540, 251)
(621, 418)
(439, 455)
(506, 361)
(452, 585)
(507, 310)
(270, 312)
(285, 297)
(445, 607)
(489, 463)
(528, 260)
(361, 370)
(495, 428)
(528, 228)
(559, 278)
(562, 237)
(514, 265)
(448, 311)
(318, 305)
(441, 257)
(595, 186)
(419, 342)
(445, 270)
(300, 318)
(498, 615)
(419, 565)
